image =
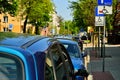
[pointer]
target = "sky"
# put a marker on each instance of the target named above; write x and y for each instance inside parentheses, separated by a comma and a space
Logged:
(62, 8)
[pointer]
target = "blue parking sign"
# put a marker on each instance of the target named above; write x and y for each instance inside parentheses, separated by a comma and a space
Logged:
(105, 2)
(96, 12)
(10, 26)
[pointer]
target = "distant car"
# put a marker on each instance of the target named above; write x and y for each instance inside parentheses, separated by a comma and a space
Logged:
(76, 56)
(75, 38)
(32, 57)
(63, 36)
(80, 42)
(84, 39)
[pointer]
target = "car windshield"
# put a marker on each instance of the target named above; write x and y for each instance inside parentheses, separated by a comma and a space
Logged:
(73, 50)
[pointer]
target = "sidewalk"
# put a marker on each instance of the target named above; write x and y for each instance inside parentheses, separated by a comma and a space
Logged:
(94, 63)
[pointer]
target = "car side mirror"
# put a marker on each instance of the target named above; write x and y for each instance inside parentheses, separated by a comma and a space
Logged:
(82, 72)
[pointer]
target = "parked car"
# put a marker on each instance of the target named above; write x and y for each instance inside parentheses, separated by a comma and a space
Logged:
(75, 38)
(32, 57)
(80, 42)
(77, 57)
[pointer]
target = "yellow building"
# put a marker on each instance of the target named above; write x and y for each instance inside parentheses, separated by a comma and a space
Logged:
(15, 24)
(9, 23)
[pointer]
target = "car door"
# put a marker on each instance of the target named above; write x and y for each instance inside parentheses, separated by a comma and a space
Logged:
(57, 67)
(11, 67)
(68, 64)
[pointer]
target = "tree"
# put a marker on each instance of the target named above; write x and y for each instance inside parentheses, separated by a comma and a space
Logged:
(110, 19)
(67, 27)
(83, 13)
(10, 6)
(37, 12)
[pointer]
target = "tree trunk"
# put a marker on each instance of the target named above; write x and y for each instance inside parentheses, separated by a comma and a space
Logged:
(25, 23)
(37, 30)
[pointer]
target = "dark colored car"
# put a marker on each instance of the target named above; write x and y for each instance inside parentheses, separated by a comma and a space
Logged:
(28, 57)
(77, 57)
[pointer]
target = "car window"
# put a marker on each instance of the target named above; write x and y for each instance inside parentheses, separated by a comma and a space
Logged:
(56, 65)
(11, 67)
(68, 65)
(49, 74)
(73, 50)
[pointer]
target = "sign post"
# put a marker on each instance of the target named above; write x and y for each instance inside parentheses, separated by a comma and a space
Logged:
(104, 8)
(99, 21)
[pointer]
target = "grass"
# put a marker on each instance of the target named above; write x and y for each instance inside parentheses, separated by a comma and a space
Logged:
(10, 35)
(7, 34)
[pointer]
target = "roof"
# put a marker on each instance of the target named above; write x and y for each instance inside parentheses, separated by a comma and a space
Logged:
(67, 41)
(15, 39)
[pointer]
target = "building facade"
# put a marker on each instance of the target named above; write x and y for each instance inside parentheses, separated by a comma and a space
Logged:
(9, 23)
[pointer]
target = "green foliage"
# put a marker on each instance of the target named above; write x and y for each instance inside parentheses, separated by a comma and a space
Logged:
(4, 35)
(7, 34)
(84, 13)
(68, 27)
(38, 11)
(9, 6)
(111, 18)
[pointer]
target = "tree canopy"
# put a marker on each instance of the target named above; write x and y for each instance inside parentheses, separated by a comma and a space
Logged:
(37, 12)
(84, 13)
(10, 6)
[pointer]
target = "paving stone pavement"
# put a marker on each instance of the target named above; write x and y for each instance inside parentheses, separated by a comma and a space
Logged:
(103, 69)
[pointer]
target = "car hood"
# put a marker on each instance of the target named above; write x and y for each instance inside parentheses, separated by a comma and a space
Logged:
(78, 63)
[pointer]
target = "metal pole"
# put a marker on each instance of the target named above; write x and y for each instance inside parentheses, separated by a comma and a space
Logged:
(99, 40)
(104, 46)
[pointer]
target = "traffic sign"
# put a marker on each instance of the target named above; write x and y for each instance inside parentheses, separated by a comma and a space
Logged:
(10, 26)
(105, 2)
(104, 10)
(99, 20)
(96, 12)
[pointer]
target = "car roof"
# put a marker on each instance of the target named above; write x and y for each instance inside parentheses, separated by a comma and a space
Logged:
(26, 41)
(64, 40)
(17, 39)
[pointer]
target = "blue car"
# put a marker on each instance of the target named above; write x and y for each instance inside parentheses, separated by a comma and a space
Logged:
(32, 57)
(76, 56)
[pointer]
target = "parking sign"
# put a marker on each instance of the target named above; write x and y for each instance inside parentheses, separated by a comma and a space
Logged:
(105, 2)
(97, 12)
(104, 10)
(99, 20)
